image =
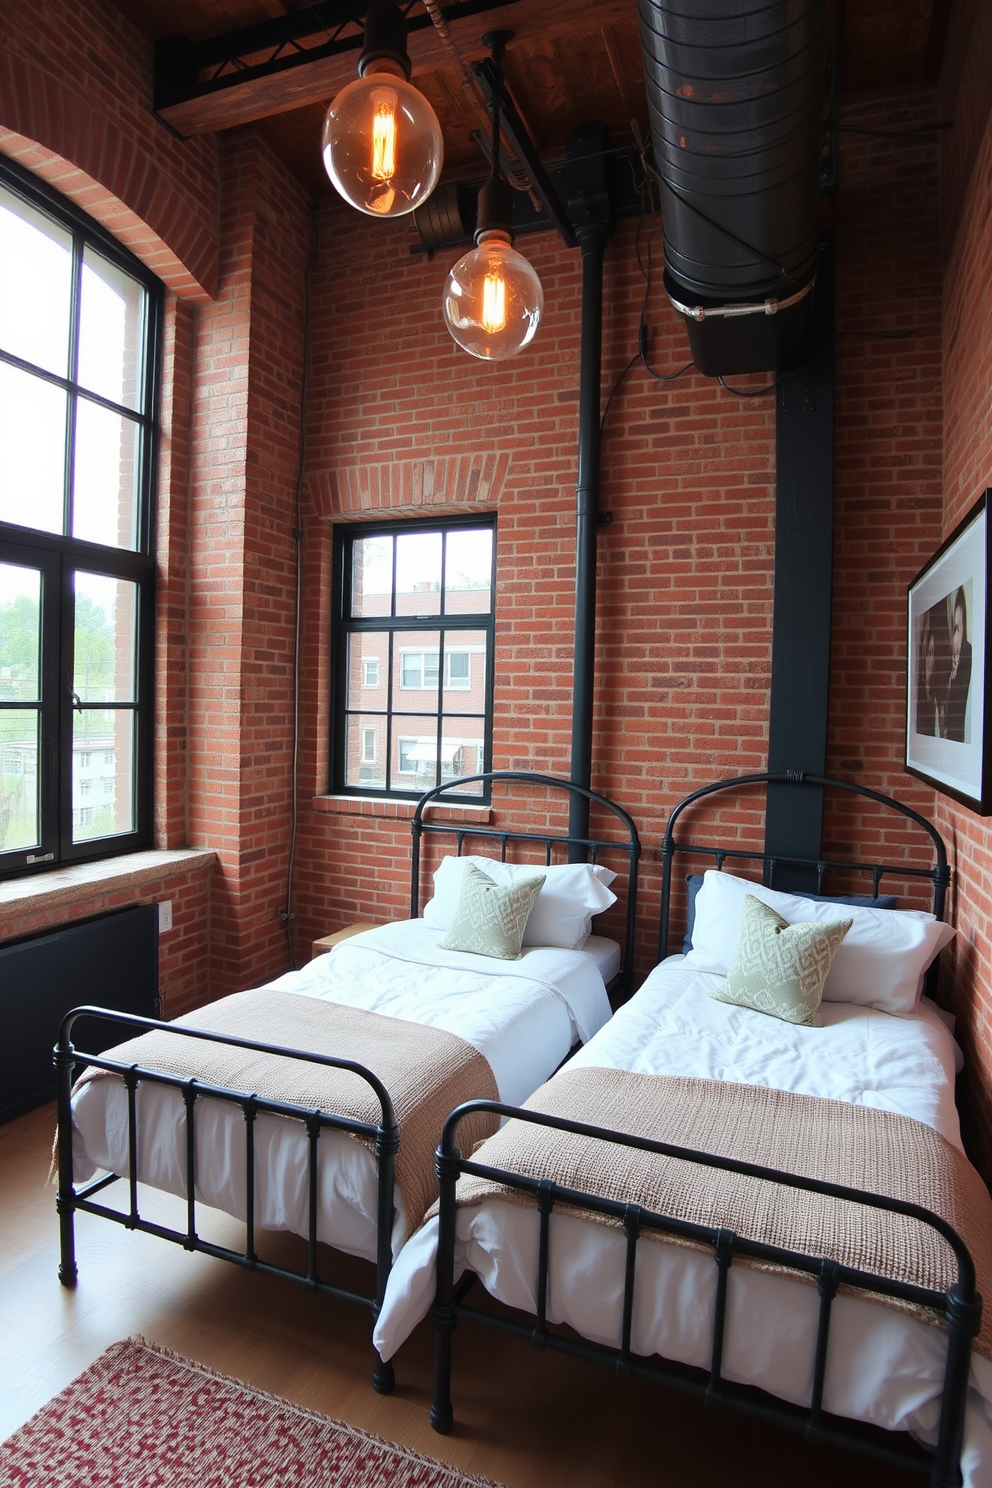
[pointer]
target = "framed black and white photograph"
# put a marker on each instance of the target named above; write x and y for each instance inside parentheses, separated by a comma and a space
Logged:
(947, 646)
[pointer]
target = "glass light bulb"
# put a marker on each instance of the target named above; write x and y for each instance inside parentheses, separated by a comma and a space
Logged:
(493, 299)
(383, 148)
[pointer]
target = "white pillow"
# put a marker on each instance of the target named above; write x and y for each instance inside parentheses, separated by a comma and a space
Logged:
(879, 964)
(562, 916)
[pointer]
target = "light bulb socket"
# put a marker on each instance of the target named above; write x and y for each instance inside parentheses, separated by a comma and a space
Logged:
(385, 39)
(495, 207)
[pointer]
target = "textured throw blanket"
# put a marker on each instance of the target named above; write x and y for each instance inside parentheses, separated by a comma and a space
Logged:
(427, 1071)
(829, 1140)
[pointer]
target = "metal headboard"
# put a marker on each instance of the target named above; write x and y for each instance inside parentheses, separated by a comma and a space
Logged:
(589, 847)
(936, 870)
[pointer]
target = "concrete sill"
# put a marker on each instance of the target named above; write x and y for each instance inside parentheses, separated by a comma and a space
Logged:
(399, 810)
(68, 883)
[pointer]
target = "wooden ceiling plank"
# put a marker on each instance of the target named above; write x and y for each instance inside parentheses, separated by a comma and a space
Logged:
(317, 81)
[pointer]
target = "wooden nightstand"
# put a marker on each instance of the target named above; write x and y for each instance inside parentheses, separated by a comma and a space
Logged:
(326, 942)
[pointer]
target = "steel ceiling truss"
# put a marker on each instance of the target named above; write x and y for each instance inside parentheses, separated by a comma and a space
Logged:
(186, 70)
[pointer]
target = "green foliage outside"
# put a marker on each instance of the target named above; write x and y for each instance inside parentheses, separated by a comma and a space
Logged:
(20, 674)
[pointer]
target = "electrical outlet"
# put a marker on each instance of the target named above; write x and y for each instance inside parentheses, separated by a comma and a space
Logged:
(165, 916)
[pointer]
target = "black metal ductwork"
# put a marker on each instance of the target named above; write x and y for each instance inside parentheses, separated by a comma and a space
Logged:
(735, 91)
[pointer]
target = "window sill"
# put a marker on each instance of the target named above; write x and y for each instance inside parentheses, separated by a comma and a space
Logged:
(64, 885)
(398, 810)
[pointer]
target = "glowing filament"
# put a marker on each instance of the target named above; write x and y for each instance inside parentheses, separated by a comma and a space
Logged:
(494, 302)
(384, 139)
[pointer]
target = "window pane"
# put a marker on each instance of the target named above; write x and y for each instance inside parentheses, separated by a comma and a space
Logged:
(20, 633)
(468, 570)
(415, 665)
(418, 573)
(111, 325)
(372, 576)
(365, 764)
(32, 438)
(465, 671)
(20, 822)
(36, 275)
(414, 752)
(104, 643)
(105, 491)
(103, 742)
(462, 750)
(368, 670)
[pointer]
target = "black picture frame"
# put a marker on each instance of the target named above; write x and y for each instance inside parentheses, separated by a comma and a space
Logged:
(947, 724)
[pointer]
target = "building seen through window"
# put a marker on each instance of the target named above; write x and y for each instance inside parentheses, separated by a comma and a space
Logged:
(414, 615)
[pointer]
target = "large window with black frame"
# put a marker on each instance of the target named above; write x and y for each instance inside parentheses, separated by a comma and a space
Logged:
(413, 646)
(79, 331)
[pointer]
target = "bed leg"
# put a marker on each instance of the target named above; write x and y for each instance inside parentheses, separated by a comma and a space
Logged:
(442, 1415)
(64, 1062)
(383, 1376)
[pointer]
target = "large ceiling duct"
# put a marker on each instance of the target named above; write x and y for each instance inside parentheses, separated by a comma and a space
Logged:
(735, 91)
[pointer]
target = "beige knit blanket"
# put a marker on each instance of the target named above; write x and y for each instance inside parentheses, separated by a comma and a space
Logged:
(830, 1140)
(426, 1071)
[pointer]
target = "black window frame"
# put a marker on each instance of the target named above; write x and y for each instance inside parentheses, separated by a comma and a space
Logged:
(345, 624)
(60, 557)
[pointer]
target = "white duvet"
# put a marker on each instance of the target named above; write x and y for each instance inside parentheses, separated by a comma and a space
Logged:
(884, 1366)
(524, 1016)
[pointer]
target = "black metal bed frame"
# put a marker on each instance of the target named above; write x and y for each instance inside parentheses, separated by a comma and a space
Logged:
(960, 1306)
(589, 847)
(384, 1137)
(69, 1199)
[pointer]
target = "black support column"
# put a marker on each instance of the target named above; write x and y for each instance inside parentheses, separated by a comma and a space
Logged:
(590, 211)
(804, 487)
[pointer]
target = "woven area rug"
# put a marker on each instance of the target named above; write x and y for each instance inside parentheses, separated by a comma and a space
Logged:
(142, 1417)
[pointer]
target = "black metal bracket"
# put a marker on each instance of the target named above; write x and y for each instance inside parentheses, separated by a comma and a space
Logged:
(515, 131)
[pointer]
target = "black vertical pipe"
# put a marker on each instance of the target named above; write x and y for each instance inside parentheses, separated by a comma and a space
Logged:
(592, 244)
(804, 519)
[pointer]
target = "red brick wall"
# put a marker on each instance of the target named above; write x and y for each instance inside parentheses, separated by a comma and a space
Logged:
(75, 107)
(888, 492)
(968, 471)
(402, 421)
(244, 468)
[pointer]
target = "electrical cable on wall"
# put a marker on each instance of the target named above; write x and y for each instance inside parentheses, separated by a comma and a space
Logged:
(287, 913)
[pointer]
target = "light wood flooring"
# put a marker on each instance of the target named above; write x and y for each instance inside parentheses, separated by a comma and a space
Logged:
(528, 1419)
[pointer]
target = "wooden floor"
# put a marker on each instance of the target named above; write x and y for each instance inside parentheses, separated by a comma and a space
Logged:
(526, 1418)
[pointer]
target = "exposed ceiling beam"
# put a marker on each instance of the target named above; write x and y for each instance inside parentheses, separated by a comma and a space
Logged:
(244, 76)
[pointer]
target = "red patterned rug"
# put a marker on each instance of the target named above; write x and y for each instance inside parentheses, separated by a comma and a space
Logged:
(142, 1417)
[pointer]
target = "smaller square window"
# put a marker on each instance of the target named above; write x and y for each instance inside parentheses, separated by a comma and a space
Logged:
(370, 672)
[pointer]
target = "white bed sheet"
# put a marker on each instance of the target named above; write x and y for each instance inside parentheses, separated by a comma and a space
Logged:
(524, 1016)
(885, 1366)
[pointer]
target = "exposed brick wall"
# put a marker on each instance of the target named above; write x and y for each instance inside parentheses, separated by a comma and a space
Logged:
(400, 421)
(888, 492)
(245, 463)
(685, 567)
(75, 108)
(968, 471)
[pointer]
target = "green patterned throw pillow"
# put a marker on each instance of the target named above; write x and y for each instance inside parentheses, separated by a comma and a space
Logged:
(781, 968)
(490, 917)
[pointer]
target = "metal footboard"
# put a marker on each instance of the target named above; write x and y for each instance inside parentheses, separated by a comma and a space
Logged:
(384, 1136)
(960, 1306)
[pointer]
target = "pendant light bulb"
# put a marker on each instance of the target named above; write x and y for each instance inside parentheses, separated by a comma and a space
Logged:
(382, 146)
(493, 299)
